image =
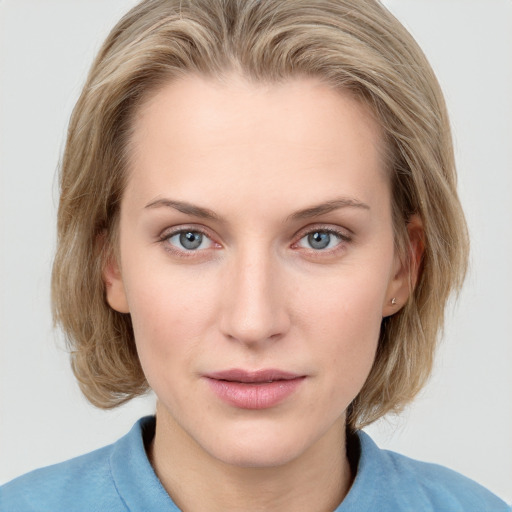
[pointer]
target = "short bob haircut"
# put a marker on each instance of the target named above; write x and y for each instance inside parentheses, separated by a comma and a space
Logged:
(352, 45)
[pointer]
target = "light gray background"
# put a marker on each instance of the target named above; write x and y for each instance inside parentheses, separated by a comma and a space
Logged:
(463, 419)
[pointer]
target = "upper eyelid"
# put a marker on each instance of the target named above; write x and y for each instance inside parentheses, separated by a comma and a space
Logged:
(171, 231)
(328, 228)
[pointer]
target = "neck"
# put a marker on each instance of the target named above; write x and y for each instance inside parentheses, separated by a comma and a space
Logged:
(317, 480)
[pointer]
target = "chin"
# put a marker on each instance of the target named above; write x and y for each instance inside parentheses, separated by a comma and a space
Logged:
(259, 449)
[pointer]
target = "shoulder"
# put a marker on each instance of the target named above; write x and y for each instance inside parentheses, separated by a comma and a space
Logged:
(116, 478)
(400, 483)
(71, 485)
(443, 488)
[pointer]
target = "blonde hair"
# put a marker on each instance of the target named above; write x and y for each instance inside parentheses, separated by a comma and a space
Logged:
(354, 45)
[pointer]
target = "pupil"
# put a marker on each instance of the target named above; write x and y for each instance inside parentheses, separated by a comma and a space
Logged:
(191, 240)
(319, 240)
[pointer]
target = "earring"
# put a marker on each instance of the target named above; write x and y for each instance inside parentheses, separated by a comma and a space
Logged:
(393, 301)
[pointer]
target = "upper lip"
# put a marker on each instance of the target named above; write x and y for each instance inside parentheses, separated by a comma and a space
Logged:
(265, 375)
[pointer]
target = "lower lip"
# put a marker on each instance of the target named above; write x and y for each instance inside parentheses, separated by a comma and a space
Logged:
(254, 395)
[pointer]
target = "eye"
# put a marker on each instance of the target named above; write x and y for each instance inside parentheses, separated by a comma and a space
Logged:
(189, 240)
(321, 239)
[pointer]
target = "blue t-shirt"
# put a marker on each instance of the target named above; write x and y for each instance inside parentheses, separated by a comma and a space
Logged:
(119, 478)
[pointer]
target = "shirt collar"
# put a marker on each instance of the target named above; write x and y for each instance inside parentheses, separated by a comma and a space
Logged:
(134, 478)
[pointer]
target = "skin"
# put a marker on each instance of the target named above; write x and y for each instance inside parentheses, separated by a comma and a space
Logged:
(255, 294)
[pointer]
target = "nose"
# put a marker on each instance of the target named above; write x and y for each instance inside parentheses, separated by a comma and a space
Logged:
(254, 305)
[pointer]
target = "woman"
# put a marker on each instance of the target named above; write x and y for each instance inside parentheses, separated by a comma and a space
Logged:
(258, 221)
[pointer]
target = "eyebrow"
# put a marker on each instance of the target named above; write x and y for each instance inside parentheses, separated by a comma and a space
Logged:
(329, 206)
(183, 207)
(313, 211)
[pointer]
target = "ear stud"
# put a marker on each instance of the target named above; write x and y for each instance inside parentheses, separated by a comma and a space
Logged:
(393, 301)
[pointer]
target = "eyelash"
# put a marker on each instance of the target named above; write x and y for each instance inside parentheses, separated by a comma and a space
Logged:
(343, 239)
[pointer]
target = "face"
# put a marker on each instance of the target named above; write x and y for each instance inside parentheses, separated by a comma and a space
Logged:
(256, 262)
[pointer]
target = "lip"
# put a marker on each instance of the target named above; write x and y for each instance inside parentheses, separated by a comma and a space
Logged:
(260, 389)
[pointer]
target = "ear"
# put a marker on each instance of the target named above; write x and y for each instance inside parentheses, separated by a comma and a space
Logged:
(112, 277)
(406, 272)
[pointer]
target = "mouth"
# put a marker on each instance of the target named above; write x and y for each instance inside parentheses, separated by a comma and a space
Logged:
(259, 389)
(253, 377)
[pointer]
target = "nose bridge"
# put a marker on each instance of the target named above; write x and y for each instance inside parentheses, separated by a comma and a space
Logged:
(254, 309)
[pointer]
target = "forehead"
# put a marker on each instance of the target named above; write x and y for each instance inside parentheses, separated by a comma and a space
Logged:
(255, 138)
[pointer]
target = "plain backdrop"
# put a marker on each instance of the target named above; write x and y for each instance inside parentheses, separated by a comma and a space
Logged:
(463, 418)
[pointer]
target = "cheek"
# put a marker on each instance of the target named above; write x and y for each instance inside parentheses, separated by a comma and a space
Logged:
(170, 313)
(345, 319)
(349, 301)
